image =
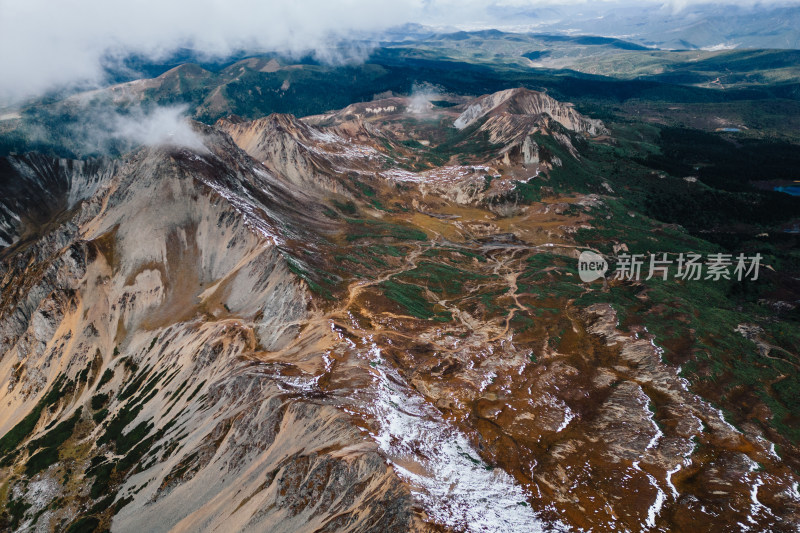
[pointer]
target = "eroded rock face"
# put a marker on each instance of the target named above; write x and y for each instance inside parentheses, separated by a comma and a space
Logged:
(305, 156)
(527, 102)
(37, 188)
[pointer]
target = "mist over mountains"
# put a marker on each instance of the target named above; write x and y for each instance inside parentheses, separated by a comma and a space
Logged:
(78, 48)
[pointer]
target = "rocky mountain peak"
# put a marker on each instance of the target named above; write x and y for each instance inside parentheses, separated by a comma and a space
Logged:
(521, 101)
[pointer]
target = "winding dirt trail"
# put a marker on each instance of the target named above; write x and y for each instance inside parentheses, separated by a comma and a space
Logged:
(355, 288)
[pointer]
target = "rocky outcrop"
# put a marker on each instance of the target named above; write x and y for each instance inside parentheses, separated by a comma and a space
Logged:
(37, 188)
(376, 109)
(304, 157)
(527, 102)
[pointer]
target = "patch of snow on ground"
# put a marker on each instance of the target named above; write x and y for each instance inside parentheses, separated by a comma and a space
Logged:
(442, 175)
(487, 380)
(655, 509)
(248, 211)
(669, 480)
(794, 493)
(324, 136)
(454, 486)
(568, 416)
(645, 399)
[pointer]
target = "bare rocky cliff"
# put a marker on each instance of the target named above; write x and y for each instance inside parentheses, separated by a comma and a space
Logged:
(37, 189)
(527, 102)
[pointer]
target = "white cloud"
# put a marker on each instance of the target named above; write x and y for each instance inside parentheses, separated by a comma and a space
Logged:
(162, 125)
(46, 44)
(421, 96)
(98, 127)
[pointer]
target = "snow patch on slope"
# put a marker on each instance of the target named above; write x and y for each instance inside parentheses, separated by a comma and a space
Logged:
(448, 477)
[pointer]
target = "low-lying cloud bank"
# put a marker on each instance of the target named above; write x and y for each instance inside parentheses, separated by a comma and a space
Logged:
(47, 45)
(92, 129)
(157, 126)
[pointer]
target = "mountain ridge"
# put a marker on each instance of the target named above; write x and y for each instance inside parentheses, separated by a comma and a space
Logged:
(343, 323)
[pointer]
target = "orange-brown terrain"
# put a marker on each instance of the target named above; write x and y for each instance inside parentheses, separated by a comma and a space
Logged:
(368, 320)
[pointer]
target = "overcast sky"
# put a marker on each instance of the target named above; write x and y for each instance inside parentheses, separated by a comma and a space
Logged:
(46, 44)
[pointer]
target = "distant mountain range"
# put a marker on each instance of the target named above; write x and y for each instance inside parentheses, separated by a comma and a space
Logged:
(712, 25)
